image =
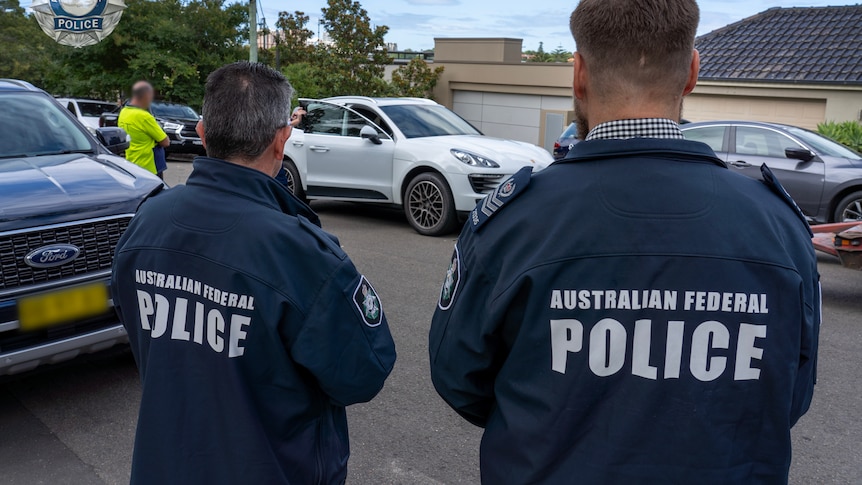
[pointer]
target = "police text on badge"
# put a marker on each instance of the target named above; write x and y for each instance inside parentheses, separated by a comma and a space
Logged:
(709, 346)
(209, 314)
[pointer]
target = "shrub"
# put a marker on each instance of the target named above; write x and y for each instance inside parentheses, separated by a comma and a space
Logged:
(847, 133)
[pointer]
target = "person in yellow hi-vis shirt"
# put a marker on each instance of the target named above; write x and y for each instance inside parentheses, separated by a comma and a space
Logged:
(140, 124)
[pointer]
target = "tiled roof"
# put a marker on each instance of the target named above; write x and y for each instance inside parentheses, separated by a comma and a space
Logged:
(798, 45)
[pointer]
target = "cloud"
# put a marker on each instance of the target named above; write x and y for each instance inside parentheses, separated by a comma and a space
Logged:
(435, 3)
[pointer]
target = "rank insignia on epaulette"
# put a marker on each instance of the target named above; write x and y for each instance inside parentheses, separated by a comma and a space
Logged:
(495, 201)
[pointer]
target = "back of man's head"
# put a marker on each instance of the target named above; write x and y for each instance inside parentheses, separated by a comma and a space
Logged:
(636, 46)
(142, 94)
(245, 104)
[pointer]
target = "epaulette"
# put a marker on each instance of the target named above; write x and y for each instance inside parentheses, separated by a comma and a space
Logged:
(497, 199)
(774, 185)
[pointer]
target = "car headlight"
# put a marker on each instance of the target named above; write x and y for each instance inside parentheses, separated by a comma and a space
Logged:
(172, 127)
(473, 160)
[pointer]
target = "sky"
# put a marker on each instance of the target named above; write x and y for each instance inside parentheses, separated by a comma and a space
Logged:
(414, 23)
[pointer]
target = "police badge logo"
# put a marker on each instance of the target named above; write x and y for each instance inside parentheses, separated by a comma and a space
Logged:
(450, 284)
(368, 303)
(507, 189)
(78, 23)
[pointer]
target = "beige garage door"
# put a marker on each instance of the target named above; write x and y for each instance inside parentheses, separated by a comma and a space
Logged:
(806, 113)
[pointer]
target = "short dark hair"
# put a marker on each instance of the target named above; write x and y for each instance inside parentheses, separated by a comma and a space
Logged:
(245, 104)
(645, 43)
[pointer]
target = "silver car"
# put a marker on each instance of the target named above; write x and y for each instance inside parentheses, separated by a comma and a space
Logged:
(823, 176)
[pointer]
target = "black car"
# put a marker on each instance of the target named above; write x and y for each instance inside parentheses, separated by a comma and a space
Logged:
(823, 176)
(178, 121)
(65, 200)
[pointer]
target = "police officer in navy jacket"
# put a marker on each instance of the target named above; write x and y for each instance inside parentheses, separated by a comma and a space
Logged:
(635, 313)
(251, 327)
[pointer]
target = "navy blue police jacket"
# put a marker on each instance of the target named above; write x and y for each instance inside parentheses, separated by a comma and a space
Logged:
(252, 331)
(635, 313)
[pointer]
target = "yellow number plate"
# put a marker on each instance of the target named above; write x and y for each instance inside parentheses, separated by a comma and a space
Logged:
(63, 306)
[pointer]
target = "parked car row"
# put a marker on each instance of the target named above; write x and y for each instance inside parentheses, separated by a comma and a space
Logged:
(177, 120)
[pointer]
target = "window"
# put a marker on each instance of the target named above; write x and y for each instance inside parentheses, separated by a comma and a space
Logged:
(420, 120)
(375, 118)
(71, 108)
(762, 142)
(711, 135)
(327, 119)
(95, 110)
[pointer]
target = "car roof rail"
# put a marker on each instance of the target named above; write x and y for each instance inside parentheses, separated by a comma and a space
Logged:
(342, 98)
(20, 84)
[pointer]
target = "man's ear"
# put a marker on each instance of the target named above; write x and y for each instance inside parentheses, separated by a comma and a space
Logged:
(579, 85)
(199, 129)
(281, 137)
(693, 73)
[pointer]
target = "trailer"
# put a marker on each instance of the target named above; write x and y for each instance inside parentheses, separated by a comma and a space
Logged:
(843, 240)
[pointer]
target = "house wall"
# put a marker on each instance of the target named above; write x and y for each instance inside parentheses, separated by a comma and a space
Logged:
(487, 85)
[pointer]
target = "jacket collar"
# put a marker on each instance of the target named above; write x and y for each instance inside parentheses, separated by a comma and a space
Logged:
(250, 184)
(682, 150)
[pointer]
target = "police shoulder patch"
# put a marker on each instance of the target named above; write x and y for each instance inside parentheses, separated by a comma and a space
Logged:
(774, 185)
(497, 199)
(368, 303)
(452, 281)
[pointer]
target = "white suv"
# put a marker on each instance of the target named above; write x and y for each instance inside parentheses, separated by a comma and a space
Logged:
(408, 152)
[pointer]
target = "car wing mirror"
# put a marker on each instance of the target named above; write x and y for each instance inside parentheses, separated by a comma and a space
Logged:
(799, 154)
(114, 139)
(370, 134)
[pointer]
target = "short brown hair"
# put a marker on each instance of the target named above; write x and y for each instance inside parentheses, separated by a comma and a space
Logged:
(641, 43)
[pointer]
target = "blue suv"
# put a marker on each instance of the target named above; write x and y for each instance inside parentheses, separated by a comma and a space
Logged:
(65, 200)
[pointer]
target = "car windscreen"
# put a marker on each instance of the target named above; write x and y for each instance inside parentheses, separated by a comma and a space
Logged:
(571, 132)
(95, 110)
(418, 121)
(33, 125)
(176, 111)
(823, 145)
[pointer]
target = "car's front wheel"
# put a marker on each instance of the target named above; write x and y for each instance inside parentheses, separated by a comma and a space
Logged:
(429, 205)
(850, 208)
(294, 183)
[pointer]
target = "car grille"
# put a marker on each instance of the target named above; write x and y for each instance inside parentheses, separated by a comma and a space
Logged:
(96, 239)
(188, 130)
(485, 183)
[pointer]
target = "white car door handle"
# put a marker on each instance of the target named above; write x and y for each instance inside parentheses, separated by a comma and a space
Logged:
(297, 143)
(318, 148)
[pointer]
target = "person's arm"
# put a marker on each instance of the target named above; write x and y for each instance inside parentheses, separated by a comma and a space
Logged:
(345, 341)
(156, 132)
(806, 375)
(297, 116)
(465, 344)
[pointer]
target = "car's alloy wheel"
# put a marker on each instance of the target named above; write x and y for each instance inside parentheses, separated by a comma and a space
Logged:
(429, 205)
(293, 181)
(850, 208)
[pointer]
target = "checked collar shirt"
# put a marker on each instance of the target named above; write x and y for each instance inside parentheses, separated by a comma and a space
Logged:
(636, 128)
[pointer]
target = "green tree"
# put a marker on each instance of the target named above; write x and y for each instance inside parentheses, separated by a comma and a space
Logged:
(416, 79)
(292, 39)
(354, 61)
(847, 133)
(172, 44)
(560, 54)
(25, 51)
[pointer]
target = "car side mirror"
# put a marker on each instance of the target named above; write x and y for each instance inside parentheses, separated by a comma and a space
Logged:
(370, 134)
(799, 154)
(114, 139)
